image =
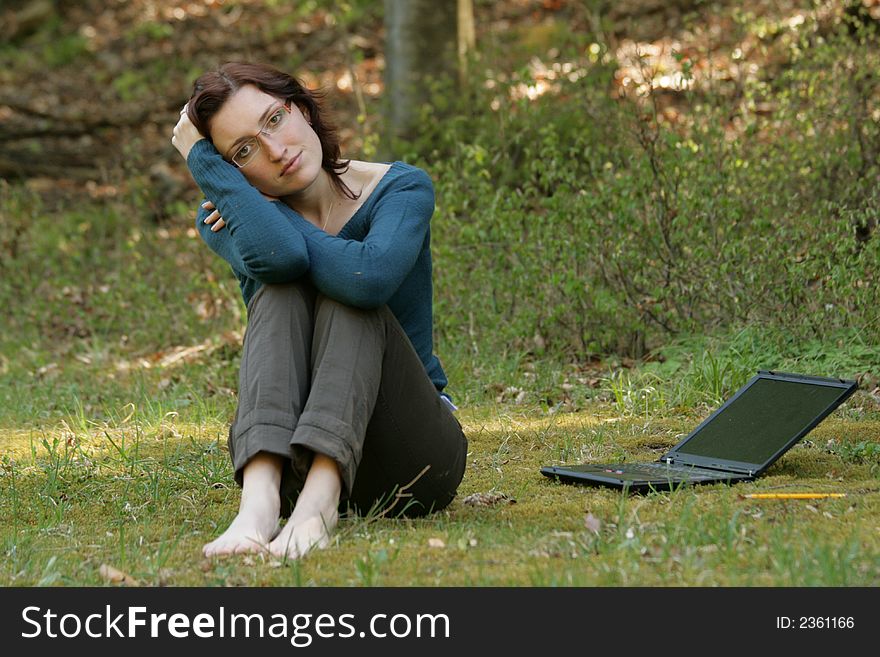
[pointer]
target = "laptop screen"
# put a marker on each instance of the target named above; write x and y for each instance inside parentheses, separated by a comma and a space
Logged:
(762, 420)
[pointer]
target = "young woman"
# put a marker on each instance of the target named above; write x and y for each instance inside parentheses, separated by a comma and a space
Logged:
(340, 394)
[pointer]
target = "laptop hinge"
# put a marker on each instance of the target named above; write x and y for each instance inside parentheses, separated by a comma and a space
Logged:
(721, 468)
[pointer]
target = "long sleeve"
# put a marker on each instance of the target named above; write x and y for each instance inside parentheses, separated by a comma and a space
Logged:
(259, 241)
(381, 256)
(366, 273)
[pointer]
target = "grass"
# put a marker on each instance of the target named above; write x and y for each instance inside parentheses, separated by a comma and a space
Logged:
(117, 379)
(143, 496)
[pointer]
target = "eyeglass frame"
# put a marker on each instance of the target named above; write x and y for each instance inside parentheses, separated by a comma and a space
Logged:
(256, 138)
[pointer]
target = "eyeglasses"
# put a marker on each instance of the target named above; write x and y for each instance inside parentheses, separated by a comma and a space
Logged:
(246, 152)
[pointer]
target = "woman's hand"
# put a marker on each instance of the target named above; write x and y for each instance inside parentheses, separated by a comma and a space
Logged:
(185, 134)
(216, 221)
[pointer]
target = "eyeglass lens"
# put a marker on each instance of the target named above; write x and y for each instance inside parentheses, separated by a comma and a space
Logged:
(249, 149)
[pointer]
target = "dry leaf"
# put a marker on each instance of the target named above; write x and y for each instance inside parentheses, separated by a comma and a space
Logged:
(592, 523)
(488, 499)
(116, 576)
(436, 543)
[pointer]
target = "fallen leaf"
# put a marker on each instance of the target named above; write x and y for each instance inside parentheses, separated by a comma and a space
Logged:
(488, 499)
(592, 523)
(165, 575)
(47, 370)
(116, 576)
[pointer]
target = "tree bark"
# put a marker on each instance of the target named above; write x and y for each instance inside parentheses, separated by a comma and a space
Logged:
(421, 46)
(467, 36)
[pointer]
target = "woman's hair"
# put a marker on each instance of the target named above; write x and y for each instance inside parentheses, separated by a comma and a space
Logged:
(213, 89)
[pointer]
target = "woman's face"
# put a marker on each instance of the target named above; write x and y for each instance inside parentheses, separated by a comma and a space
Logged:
(282, 152)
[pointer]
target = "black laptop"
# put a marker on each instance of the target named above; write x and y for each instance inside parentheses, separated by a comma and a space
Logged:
(738, 442)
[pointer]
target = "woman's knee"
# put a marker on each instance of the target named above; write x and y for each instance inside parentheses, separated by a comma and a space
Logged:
(275, 293)
(282, 302)
(325, 304)
(329, 309)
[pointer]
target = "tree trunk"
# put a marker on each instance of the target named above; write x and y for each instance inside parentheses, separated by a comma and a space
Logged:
(467, 36)
(421, 45)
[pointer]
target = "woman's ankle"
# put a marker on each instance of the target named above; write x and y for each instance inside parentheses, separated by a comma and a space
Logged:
(261, 482)
(321, 491)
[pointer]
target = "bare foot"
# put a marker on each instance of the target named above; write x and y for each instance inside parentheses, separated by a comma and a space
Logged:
(315, 515)
(257, 521)
(300, 537)
(251, 531)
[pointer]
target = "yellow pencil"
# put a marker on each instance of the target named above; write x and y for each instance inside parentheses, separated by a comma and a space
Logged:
(792, 496)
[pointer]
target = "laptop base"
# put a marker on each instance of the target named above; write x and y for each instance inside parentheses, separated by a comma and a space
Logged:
(632, 477)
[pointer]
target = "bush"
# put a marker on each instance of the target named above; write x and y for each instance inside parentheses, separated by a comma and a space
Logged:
(579, 223)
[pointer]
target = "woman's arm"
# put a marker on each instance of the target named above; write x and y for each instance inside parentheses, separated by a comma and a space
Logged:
(260, 240)
(366, 274)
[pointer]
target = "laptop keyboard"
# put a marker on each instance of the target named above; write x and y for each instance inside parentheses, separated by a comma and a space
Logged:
(665, 469)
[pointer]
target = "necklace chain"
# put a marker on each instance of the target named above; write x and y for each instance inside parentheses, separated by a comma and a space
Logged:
(327, 216)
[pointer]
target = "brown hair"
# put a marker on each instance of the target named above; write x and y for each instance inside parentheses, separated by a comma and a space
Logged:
(211, 91)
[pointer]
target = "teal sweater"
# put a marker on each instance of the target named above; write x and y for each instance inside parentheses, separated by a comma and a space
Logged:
(381, 256)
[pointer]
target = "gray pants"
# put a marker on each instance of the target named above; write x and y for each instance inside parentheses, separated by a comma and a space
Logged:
(319, 376)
